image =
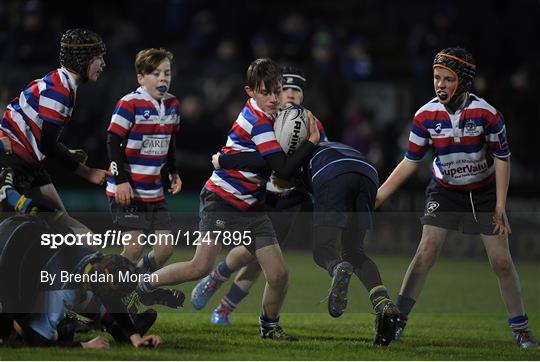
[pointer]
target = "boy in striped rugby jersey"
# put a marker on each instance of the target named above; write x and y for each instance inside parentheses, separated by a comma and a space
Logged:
(470, 176)
(141, 145)
(33, 122)
(233, 200)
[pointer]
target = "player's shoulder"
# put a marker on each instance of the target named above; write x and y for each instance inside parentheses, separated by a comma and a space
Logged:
(170, 100)
(481, 105)
(253, 113)
(59, 79)
(432, 106)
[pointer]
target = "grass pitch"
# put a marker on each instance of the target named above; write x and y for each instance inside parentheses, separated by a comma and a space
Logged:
(460, 316)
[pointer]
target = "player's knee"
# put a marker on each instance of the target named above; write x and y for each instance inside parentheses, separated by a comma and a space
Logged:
(133, 253)
(278, 279)
(502, 265)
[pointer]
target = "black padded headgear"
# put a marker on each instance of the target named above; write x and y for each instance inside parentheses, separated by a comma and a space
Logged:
(77, 48)
(293, 77)
(111, 266)
(460, 62)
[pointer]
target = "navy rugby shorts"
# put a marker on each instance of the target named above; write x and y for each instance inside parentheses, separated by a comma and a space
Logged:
(469, 211)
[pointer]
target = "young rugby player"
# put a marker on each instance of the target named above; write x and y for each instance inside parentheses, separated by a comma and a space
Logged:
(233, 200)
(470, 176)
(141, 145)
(32, 124)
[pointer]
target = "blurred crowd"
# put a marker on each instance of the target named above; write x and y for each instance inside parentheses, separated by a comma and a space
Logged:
(368, 65)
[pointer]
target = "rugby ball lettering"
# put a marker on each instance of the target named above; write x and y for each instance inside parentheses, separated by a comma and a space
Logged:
(291, 128)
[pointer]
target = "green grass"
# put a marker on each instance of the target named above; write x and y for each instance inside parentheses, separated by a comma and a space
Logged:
(460, 316)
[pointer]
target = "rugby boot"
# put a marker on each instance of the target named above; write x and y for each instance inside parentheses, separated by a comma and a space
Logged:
(524, 339)
(204, 290)
(402, 322)
(276, 333)
(386, 324)
(337, 299)
(221, 315)
(171, 298)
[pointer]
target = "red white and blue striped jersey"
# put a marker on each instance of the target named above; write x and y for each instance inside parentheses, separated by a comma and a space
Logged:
(49, 99)
(252, 131)
(464, 144)
(146, 126)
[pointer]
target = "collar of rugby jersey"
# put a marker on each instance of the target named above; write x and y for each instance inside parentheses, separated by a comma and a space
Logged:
(159, 105)
(257, 108)
(70, 78)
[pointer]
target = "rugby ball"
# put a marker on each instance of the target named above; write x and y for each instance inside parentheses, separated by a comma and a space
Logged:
(291, 128)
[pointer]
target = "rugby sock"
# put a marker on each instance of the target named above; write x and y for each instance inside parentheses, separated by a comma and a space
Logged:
(266, 322)
(378, 296)
(519, 323)
(145, 286)
(405, 304)
(146, 265)
(12, 197)
(233, 297)
(222, 272)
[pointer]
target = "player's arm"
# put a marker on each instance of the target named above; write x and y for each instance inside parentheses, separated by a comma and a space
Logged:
(417, 147)
(291, 198)
(50, 147)
(124, 192)
(401, 173)
(171, 169)
(500, 151)
(251, 161)
(123, 319)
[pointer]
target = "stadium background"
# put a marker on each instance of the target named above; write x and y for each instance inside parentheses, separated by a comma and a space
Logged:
(368, 65)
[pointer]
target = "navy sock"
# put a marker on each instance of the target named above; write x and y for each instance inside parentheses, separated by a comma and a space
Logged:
(145, 287)
(224, 270)
(268, 322)
(378, 297)
(519, 323)
(146, 265)
(405, 304)
(234, 296)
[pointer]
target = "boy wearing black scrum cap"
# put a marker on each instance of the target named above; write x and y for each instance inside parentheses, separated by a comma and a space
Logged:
(33, 122)
(470, 176)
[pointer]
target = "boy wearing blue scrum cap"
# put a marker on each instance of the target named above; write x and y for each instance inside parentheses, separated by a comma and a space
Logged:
(141, 145)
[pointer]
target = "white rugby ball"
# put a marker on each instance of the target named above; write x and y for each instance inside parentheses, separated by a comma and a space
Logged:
(291, 128)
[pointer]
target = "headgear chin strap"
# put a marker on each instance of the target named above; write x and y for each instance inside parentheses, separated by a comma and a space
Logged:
(460, 62)
(77, 48)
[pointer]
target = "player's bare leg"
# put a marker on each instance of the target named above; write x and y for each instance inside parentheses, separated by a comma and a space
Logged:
(199, 266)
(134, 249)
(275, 271)
(501, 261)
(47, 196)
(162, 251)
(239, 257)
(247, 276)
(426, 255)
